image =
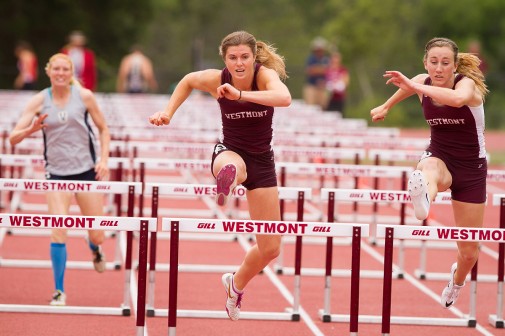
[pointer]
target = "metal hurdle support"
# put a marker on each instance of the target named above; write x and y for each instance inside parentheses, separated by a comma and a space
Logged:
(391, 232)
(177, 225)
(123, 188)
(497, 319)
(375, 196)
(157, 190)
(336, 170)
(44, 221)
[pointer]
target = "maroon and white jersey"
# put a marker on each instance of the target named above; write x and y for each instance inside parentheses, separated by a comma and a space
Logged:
(245, 126)
(457, 132)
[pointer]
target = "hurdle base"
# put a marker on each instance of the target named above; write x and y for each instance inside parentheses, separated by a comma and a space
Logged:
(408, 320)
(150, 312)
(496, 322)
(340, 273)
(72, 264)
(220, 314)
(422, 275)
(47, 309)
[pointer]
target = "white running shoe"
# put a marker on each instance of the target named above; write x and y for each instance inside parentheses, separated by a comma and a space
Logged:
(225, 183)
(233, 298)
(451, 291)
(59, 299)
(418, 190)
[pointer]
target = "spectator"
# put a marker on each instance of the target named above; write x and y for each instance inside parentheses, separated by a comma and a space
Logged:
(27, 66)
(136, 73)
(314, 90)
(83, 59)
(474, 48)
(337, 80)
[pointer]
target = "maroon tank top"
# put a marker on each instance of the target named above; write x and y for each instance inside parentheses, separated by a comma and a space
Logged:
(246, 126)
(458, 132)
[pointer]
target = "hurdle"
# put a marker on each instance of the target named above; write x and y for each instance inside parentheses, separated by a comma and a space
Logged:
(178, 225)
(332, 195)
(391, 232)
(421, 273)
(496, 320)
(130, 224)
(157, 190)
(125, 188)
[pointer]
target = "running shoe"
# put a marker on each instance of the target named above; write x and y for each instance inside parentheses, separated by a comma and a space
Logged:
(418, 190)
(59, 298)
(451, 291)
(99, 260)
(225, 182)
(233, 298)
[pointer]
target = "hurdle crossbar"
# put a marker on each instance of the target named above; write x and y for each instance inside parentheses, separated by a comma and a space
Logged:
(177, 225)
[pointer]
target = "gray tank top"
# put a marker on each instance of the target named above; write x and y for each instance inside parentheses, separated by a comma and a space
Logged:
(69, 141)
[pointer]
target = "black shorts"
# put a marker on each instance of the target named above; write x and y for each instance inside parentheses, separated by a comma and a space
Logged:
(89, 175)
(260, 167)
(468, 177)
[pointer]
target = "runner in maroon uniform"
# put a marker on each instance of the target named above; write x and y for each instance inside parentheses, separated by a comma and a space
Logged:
(247, 89)
(452, 95)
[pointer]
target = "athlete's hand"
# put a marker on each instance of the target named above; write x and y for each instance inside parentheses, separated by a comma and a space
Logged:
(228, 91)
(400, 80)
(160, 118)
(102, 171)
(38, 123)
(379, 113)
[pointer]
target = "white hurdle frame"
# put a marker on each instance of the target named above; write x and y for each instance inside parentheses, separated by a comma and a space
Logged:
(104, 187)
(157, 190)
(177, 225)
(44, 221)
(496, 320)
(332, 195)
(391, 232)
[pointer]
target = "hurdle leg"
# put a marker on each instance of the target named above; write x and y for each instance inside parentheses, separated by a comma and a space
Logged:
(497, 320)
(128, 269)
(174, 272)
(326, 314)
(152, 254)
(355, 270)
(296, 291)
(141, 281)
(472, 319)
(388, 282)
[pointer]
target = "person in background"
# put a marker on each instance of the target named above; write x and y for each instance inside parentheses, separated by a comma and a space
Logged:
(27, 66)
(247, 90)
(63, 113)
(452, 94)
(136, 73)
(316, 65)
(83, 58)
(337, 81)
(474, 48)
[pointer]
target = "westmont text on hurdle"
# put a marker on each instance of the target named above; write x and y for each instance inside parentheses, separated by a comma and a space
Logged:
(463, 234)
(56, 222)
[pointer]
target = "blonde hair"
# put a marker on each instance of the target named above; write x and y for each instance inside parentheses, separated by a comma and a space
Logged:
(264, 53)
(73, 80)
(466, 64)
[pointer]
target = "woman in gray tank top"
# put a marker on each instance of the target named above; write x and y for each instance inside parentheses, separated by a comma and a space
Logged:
(247, 89)
(62, 112)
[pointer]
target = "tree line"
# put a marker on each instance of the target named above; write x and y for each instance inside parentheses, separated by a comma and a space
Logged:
(183, 35)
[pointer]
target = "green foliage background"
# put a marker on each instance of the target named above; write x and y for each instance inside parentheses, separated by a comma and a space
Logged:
(183, 35)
